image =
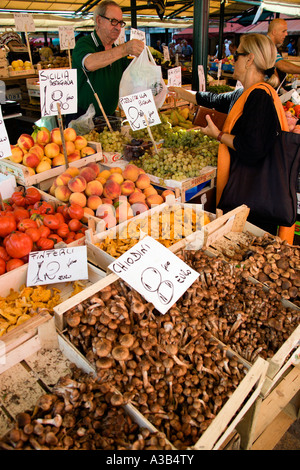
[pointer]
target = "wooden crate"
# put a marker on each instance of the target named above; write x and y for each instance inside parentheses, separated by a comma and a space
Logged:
(16, 278)
(21, 173)
(31, 367)
(224, 424)
(102, 259)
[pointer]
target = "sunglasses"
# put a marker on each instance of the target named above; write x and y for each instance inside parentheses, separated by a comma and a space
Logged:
(237, 54)
(114, 22)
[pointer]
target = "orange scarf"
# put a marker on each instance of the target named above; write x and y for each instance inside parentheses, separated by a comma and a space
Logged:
(286, 233)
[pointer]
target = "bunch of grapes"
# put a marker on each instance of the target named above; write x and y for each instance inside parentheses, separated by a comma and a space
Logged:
(111, 141)
(177, 164)
(189, 138)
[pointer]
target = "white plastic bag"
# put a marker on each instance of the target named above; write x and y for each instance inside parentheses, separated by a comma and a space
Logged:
(84, 124)
(143, 74)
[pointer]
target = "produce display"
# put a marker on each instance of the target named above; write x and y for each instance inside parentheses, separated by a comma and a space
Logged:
(180, 116)
(55, 62)
(292, 112)
(43, 150)
(80, 413)
(136, 148)
(167, 226)
(218, 88)
(19, 64)
(110, 141)
(114, 195)
(29, 223)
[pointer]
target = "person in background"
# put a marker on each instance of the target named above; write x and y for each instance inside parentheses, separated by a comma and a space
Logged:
(277, 32)
(172, 51)
(291, 47)
(186, 51)
(250, 128)
(103, 62)
(158, 46)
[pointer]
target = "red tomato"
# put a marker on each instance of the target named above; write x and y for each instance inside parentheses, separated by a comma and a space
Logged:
(20, 213)
(3, 254)
(14, 263)
(2, 266)
(51, 221)
(75, 211)
(34, 233)
(7, 224)
(79, 235)
(38, 218)
(60, 217)
(44, 231)
(24, 224)
(45, 243)
(56, 238)
(32, 195)
(63, 230)
(44, 207)
(74, 225)
(18, 198)
(18, 244)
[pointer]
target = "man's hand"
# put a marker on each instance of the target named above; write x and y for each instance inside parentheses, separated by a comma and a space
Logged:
(134, 47)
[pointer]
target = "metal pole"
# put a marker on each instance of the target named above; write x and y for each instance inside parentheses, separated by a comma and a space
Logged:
(200, 39)
(221, 27)
(133, 14)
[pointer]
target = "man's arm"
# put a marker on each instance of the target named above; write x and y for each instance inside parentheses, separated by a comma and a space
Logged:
(98, 60)
(287, 66)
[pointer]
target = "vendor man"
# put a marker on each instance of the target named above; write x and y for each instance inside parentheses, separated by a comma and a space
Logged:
(277, 32)
(103, 62)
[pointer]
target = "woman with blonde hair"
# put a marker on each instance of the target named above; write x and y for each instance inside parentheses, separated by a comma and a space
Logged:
(250, 129)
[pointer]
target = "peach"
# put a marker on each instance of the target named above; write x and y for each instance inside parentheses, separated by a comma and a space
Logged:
(87, 151)
(31, 171)
(150, 190)
(77, 184)
(127, 187)
(58, 160)
(95, 167)
(88, 173)
(44, 165)
(93, 202)
(72, 170)
(123, 213)
(25, 142)
(52, 189)
(154, 200)
(56, 136)
(117, 177)
(80, 142)
(136, 196)
(166, 193)
(143, 181)
(63, 179)
(94, 188)
(111, 189)
(131, 172)
(70, 148)
(70, 134)
(105, 174)
(141, 170)
(107, 200)
(139, 208)
(38, 149)
(16, 154)
(116, 169)
(101, 179)
(63, 193)
(43, 136)
(31, 159)
(88, 211)
(78, 198)
(51, 150)
(104, 210)
(73, 157)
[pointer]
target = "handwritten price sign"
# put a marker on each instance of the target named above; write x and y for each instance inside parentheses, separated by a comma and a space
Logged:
(66, 37)
(5, 150)
(24, 22)
(58, 86)
(155, 272)
(60, 265)
(174, 76)
(138, 106)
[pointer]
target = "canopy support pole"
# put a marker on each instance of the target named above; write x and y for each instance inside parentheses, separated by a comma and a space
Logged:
(200, 42)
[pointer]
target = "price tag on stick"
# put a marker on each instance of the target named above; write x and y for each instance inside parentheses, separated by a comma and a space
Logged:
(60, 265)
(155, 272)
(137, 106)
(58, 86)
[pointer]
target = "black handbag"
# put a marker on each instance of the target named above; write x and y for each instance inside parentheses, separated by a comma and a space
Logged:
(270, 191)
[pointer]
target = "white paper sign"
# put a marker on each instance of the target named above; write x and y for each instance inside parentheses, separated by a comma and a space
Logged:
(166, 53)
(66, 37)
(155, 272)
(5, 150)
(121, 38)
(174, 76)
(58, 86)
(24, 22)
(138, 34)
(137, 106)
(201, 78)
(60, 265)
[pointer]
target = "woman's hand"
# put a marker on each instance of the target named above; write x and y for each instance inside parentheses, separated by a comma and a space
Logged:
(211, 129)
(175, 90)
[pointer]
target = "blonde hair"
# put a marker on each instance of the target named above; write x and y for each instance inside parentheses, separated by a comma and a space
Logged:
(264, 52)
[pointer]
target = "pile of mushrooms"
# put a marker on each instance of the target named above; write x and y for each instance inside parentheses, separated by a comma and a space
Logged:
(80, 414)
